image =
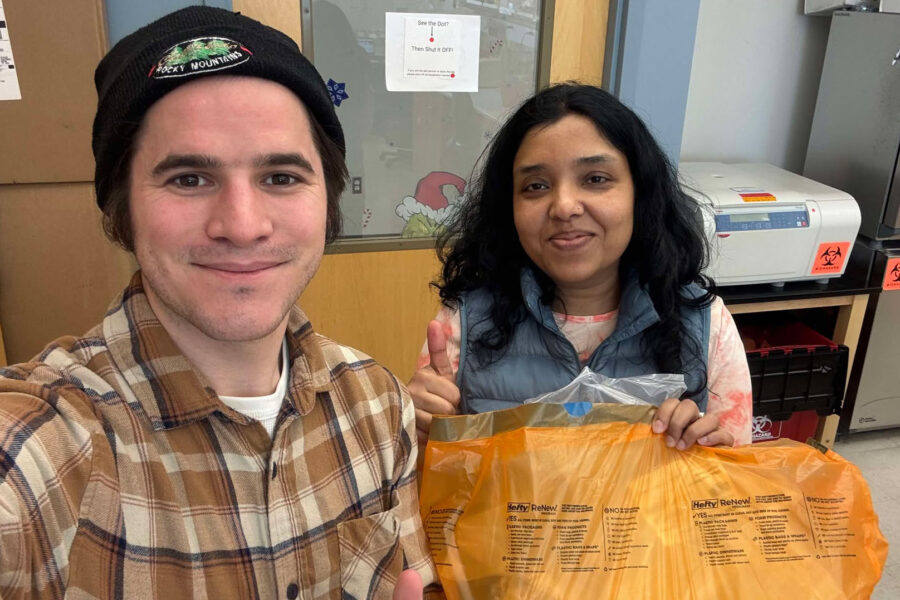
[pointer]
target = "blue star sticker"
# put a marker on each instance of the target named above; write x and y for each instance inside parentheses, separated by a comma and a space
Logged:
(338, 94)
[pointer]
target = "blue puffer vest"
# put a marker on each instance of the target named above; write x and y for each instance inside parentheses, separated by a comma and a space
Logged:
(539, 358)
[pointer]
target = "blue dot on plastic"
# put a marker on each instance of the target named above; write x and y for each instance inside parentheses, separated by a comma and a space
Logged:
(577, 409)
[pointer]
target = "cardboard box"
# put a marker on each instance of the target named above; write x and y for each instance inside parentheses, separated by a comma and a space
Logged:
(46, 136)
(58, 272)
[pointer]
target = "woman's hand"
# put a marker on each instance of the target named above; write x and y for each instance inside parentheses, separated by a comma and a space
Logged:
(683, 425)
(433, 387)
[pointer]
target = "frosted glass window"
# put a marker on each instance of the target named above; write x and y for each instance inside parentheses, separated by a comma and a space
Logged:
(410, 153)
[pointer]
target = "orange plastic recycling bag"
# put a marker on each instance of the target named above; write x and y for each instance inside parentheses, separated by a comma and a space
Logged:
(533, 503)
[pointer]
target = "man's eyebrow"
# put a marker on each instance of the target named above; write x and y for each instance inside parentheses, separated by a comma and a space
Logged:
(193, 161)
(282, 160)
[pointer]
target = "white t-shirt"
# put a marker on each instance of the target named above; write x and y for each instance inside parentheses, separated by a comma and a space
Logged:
(264, 408)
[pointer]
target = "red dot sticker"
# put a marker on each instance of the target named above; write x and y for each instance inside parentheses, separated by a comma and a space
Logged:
(452, 75)
(430, 39)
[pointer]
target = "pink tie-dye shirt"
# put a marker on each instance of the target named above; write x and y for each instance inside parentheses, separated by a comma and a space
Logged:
(728, 377)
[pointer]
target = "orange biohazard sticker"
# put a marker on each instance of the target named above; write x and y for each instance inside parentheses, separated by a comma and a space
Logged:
(892, 274)
(758, 197)
(830, 258)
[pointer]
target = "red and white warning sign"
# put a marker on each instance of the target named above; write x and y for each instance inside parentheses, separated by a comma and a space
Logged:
(830, 258)
(892, 274)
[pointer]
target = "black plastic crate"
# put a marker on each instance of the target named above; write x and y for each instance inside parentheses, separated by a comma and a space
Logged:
(794, 368)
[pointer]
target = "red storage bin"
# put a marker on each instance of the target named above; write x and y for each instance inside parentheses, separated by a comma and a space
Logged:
(793, 369)
(800, 427)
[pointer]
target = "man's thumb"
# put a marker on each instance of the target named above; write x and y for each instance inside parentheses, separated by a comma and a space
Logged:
(409, 586)
(437, 349)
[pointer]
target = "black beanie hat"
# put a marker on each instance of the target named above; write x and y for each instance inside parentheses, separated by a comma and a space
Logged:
(181, 47)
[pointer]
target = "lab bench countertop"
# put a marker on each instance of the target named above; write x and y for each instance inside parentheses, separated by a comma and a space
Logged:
(857, 279)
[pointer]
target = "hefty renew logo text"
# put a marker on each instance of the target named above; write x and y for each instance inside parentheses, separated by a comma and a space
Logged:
(719, 502)
(517, 506)
(734, 501)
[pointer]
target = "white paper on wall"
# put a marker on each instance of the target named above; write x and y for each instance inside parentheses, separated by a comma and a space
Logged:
(9, 79)
(427, 52)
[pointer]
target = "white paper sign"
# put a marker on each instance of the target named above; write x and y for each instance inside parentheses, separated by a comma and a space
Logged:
(431, 52)
(427, 53)
(9, 80)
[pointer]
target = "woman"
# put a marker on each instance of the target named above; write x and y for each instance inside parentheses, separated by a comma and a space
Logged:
(577, 247)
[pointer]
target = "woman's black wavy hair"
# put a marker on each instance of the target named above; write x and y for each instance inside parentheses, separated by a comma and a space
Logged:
(668, 248)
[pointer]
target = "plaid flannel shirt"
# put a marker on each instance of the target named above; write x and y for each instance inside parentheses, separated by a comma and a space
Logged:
(122, 474)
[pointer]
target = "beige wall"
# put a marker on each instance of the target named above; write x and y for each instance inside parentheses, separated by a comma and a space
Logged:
(378, 302)
(57, 271)
(579, 40)
(283, 15)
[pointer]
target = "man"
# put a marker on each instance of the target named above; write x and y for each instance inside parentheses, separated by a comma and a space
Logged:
(203, 441)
